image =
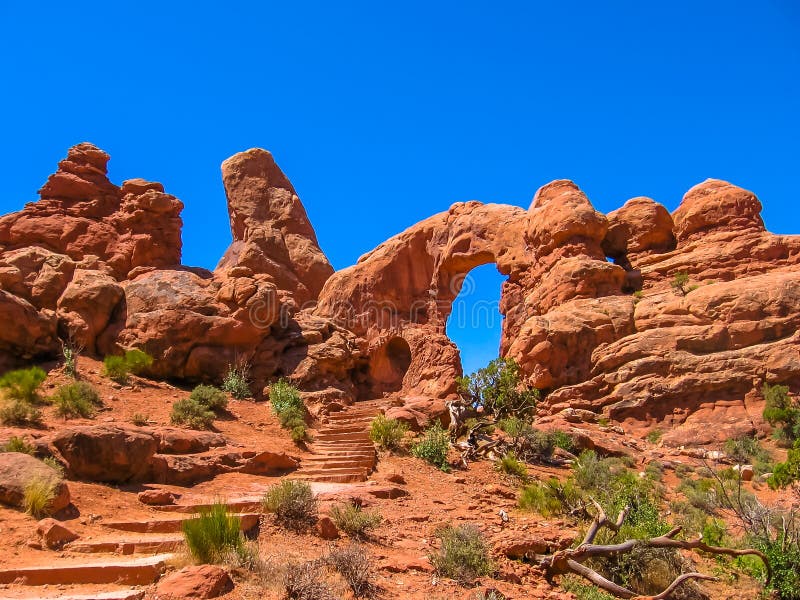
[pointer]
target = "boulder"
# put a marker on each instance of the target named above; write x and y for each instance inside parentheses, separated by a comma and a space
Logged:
(203, 581)
(54, 535)
(157, 497)
(17, 470)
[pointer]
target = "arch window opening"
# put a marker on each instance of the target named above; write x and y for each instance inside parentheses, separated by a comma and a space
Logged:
(475, 323)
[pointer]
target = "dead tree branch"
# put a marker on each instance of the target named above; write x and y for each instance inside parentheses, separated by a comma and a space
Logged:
(572, 560)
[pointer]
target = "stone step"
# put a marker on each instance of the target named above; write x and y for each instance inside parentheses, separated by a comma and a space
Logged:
(140, 571)
(234, 506)
(340, 464)
(330, 478)
(155, 545)
(248, 521)
(342, 429)
(66, 595)
(361, 436)
(335, 471)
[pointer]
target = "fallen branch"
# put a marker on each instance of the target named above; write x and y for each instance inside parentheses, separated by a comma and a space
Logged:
(572, 559)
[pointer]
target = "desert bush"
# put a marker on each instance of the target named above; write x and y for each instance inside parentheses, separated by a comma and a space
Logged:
(237, 381)
(387, 433)
(289, 408)
(509, 465)
(306, 581)
(209, 396)
(551, 497)
(18, 412)
(463, 554)
(37, 496)
(514, 426)
(192, 414)
(433, 447)
(497, 390)
(488, 595)
(140, 419)
(292, 503)
(17, 444)
(786, 473)
(583, 590)
(355, 567)
(23, 385)
(354, 520)
(780, 411)
(748, 449)
(212, 534)
(118, 368)
(53, 463)
(76, 399)
(70, 352)
(654, 436)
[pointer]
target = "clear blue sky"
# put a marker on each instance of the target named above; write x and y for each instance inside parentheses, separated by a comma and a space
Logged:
(384, 113)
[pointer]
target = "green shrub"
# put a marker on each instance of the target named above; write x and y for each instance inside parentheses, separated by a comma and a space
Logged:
(237, 381)
(288, 406)
(55, 465)
(292, 503)
(354, 520)
(781, 412)
(583, 590)
(76, 399)
(563, 440)
(497, 389)
(749, 450)
(192, 414)
(514, 426)
(788, 472)
(387, 433)
(509, 465)
(70, 353)
(784, 558)
(23, 385)
(19, 412)
(213, 534)
(463, 554)
(433, 447)
(37, 496)
(17, 444)
(209, 396)
(133, 361)
(140, 419)
(654, 436)
(353, 564)
(541, 497)
(679, 282)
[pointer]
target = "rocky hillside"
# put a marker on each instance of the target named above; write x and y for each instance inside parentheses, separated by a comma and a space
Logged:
(639, 315)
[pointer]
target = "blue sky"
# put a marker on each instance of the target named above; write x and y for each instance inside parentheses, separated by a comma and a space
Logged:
(384, 113)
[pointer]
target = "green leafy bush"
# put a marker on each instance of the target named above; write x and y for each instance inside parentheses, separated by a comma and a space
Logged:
(237, 381)
(23, 385)
(192, 414)
(781, 412)
(70, 353)
(288, 406)
(583, 590)
(497, 389)
(463, 554)
(551, 497)
(748, 449)
(787, 472)
(679, 282)
(387, 433)
(133, 361)
(354, 520)
(509, 465)
(433, 447)
(292, 503)
(17, 444)
(76, 399)
(213, 534)
(654, 436)
(209, 396)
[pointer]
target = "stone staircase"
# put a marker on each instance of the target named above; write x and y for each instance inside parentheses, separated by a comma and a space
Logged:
(343, 452)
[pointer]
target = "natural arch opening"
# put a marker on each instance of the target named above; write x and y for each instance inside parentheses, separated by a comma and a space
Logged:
(475, 323)
(386, 368)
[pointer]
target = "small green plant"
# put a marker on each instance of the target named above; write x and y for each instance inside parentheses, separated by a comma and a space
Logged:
(55, 465)
(638, 294)
(293, 503)
(433, 447)
(354, 520)
(209, 396)
(463, 554)
(76, 399)
(781, 412)
(37, 496)
(679, 283)
(118, 368)
(509, 465)
(17, 444)
(192, 414)
(498, 390)
(603, 421)
(748, 449)
(140, 419)
(582, 590)
(551, 497)
(213, 534)
(23, 385)
(786, 473)
(354, 565)
(387, 433)
(237, 381)
(654, 436)
(70, 352)
(289, 408)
